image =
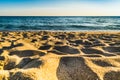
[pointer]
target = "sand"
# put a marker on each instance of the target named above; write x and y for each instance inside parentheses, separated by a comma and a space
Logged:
(48, 55)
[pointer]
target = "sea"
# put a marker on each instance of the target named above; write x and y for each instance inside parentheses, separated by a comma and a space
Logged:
(59, 23)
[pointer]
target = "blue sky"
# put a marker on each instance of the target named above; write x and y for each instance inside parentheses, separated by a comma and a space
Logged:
(46, 2)
(60, 7)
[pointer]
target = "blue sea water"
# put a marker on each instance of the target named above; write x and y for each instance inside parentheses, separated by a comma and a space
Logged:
(59, 23)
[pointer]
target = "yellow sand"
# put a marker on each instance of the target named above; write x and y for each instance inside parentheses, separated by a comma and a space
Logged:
(59, 55)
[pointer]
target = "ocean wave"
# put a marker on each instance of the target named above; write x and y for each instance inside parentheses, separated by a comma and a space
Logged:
(58, 27)
(59, 23)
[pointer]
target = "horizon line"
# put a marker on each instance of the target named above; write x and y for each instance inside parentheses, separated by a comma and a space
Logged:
(57, 15)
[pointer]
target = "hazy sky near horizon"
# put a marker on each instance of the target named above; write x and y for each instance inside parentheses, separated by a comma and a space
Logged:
(59, 7)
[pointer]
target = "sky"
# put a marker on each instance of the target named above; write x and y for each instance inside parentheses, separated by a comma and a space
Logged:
(59, 7)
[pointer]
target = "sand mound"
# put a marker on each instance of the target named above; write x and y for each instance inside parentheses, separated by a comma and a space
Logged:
(4, 75)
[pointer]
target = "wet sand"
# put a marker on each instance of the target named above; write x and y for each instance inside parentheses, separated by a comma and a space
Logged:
(45, 55)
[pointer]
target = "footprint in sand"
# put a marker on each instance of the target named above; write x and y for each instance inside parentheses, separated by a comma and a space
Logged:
(27, 53)
(45, 38)
(112, 75)
(59, 43)
(45, 47)
(35, 63)
(112, 49)
(75, 68)
(24, 62)
(102, 63)
(91, 51)
(95, 51)
(115, 44)
(67, 49)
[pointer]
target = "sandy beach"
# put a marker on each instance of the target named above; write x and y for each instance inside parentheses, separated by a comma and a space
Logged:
(45, 55)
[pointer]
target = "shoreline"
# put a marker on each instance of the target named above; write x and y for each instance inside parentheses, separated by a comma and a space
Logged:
(60, 30)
